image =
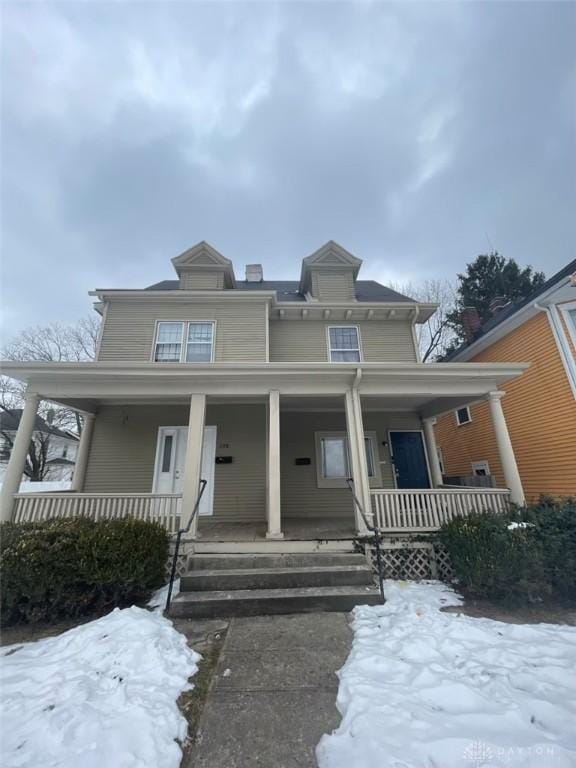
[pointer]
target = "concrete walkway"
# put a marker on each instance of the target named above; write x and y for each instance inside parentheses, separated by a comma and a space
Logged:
(274, 692)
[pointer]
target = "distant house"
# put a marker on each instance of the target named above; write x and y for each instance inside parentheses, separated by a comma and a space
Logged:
(540, 406)
(55, 449)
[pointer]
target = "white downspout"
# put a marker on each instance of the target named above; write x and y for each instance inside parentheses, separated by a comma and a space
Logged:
(414, 335)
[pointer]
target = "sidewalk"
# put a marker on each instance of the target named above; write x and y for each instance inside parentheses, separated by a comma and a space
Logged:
(274, 692)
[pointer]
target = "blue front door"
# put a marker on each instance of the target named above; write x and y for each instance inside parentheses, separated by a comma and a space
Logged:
(409, 460)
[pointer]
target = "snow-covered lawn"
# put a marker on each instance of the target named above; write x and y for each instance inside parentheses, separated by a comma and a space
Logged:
(102, 695)
(425, 689)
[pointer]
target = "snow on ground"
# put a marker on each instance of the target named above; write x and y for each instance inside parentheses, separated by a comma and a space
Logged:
(158, 599)
(102, 695)
(425, 689)
(43, 487)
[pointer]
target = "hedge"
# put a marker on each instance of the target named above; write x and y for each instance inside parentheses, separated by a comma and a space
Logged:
(525, 556)
(63, 568)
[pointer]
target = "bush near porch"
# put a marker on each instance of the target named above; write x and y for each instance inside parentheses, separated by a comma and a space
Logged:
(65, 568)
(523, 557)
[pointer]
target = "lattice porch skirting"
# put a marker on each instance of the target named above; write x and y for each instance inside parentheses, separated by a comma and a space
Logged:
(412, 560)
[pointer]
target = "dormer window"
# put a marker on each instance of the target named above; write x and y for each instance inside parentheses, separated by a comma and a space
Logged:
(344, 342)
(181, 342)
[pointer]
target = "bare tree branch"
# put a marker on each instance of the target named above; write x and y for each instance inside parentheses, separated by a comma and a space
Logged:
(435, 334)
(51, 343)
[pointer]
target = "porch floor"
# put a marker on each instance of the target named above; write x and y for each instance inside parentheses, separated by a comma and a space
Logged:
(294, 529)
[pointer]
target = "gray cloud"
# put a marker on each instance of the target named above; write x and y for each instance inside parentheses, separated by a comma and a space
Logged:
(407, 132)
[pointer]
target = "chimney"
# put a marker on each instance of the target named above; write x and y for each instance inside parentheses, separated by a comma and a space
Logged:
(497, 303)
(471, 322)
(254, 273)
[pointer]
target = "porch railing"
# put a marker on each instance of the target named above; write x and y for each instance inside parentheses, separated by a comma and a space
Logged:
(401, 511)
(162, 508)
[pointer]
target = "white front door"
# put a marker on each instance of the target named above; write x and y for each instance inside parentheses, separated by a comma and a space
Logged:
(170, 460)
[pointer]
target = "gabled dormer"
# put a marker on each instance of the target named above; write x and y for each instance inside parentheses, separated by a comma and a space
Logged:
(329, 274)
(202, 268)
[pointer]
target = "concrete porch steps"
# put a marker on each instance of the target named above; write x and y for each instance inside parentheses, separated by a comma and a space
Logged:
(273, 545)
(278, 560)
(275, 578)
(256, 602)
(291, 582)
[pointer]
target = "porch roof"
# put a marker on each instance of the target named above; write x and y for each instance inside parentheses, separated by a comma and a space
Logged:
(429, 388)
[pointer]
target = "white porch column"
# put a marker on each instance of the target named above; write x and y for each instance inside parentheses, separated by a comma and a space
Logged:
(82, 455)
(430, 438)
(273, 467)
(193, 465)
(359, 467)
(15, 468)
(511, 474)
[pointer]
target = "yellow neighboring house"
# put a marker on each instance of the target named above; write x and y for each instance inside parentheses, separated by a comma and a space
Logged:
(540, 406)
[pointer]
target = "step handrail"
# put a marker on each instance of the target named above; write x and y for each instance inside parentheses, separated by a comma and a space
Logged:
(180, 533)
(376, 535)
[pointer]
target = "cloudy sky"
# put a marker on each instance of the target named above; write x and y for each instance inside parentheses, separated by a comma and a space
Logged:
(413, 134)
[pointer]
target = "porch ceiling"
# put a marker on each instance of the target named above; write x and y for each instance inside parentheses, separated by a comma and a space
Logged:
(430, 389)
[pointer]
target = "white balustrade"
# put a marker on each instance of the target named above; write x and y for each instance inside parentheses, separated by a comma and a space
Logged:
(161, 508)
(409, 510)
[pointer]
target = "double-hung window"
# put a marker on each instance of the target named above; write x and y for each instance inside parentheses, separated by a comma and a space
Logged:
(344, 342)
(333, 458)
(179, 342)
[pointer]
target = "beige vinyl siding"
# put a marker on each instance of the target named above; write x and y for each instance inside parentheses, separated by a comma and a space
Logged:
(299, 341)
(333, 286)
(301, 496)
(198, 281)
(123, 452)
(129, 328)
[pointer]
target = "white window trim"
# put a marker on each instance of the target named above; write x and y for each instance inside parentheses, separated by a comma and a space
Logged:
(481, 465)
(184, 343)
(325, 482)
(462, 423)
(565, 309)
(329, 346)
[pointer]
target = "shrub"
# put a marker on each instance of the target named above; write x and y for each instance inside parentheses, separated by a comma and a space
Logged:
(63, 568)
(532, 561)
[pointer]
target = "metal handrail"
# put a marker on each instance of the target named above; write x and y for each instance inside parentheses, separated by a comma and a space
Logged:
(181, 532)
(376, 534)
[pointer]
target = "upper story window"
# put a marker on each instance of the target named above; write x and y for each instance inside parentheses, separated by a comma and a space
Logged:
(463, 416)
(344, 344)
(179, 342)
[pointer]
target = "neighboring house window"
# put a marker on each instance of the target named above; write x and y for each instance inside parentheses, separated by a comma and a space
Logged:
(5, 449)
(344, 344)
(184, 342)
(463, 416)
(480, 468)
(333, 458)
(64, 451)
(569, 312)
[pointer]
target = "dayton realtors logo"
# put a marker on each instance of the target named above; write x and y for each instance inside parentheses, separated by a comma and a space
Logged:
(482, 755)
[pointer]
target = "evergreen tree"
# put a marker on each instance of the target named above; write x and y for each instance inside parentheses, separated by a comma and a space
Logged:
(487, 277)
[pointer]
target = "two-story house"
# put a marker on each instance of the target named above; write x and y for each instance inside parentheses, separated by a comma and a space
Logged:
(275, 393)
(540, 407)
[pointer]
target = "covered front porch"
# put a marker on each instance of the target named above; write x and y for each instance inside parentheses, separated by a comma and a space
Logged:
(276, 447)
